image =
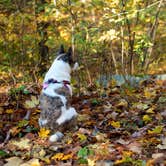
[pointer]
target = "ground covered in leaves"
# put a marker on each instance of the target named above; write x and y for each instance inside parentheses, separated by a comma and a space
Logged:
(116, 126)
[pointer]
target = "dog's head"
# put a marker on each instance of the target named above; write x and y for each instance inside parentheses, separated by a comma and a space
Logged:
(67, 57)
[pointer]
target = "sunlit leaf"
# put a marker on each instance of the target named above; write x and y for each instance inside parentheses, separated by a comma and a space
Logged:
(44, 133)
(58, 156)
(82, 137)
(115, 124)
(67, 156)
(23, 123)
(151, 110)
(9, 111)
(32, 103)
(22, 144)
(91, 162)
(147, 118)
(156, 130)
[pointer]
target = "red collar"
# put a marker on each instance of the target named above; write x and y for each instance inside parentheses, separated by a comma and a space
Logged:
(53, 81)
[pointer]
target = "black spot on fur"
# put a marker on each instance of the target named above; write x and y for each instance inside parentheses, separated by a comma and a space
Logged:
(66, 57)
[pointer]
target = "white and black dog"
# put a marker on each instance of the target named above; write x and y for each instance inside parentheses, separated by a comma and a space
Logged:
(56, 112)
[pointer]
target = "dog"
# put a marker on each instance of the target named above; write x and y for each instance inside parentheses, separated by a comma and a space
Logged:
(57, 114)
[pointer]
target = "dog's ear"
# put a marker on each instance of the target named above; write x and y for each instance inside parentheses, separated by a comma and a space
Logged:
(61, 49)
(69, 53)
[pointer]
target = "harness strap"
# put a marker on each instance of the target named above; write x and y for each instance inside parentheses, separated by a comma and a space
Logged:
(46, 84)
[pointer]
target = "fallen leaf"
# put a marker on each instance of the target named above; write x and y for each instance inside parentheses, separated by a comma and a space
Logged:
(157, 155)
(84, 131)
(151, 110)
(122, 141)
(163, 145)
(13, 161)
(91, 162)
(44, 133)
(23, 144)
(147, 118)
(31, 103)
(115, 124)
(58, 156)
(15, 130)
(141, 106)
(32, 162)
(122, 103)
(23, 123)
(135, 147)
(9, 111)
(67, 156)
(149, 93)
(38, 151)
(82, 137)
(156, 130)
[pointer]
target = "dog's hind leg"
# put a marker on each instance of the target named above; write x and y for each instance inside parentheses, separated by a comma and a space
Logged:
(67, 115)
(56, 137)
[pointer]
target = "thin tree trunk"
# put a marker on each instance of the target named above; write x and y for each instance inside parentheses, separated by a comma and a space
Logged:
(152, 34)
(131, 37)
(114, 60)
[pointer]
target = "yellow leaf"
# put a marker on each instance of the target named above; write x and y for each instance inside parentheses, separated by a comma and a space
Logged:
(147, 118)
(47, 160)
(156, 130)
(58, 156)
(149, 93)
(123, 160)
(91, 162)
(9, 111)
(68, 156)
(82, 137)
(151, 110)
(127, 153)
(44, 133)
(115, 124)
(38, 111)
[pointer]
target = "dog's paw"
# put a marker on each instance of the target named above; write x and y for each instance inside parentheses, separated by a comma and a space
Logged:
(67, 116)
(56, 137)
(42, 122)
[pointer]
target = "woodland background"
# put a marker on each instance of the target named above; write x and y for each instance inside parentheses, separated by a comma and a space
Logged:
(116, 125)
(107, 37)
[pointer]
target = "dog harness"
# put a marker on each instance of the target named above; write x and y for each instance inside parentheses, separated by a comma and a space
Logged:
(53, 81)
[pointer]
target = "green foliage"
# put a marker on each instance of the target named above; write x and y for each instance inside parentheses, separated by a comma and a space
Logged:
(98, 29)
(83, 154)
(21, 89)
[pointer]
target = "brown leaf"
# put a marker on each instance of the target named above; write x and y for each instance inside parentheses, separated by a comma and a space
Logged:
(135, 147)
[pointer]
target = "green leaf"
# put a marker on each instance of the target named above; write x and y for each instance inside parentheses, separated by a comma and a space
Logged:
(82, 161)
(3, 153)
(83, 153)
(23, 123)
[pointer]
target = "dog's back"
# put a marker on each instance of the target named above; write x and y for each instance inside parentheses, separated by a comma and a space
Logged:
(56, 112)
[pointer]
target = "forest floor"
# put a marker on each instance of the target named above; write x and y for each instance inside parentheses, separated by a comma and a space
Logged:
(115, 126)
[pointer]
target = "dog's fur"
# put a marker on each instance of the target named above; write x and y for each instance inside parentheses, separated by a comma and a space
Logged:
(56, 111)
